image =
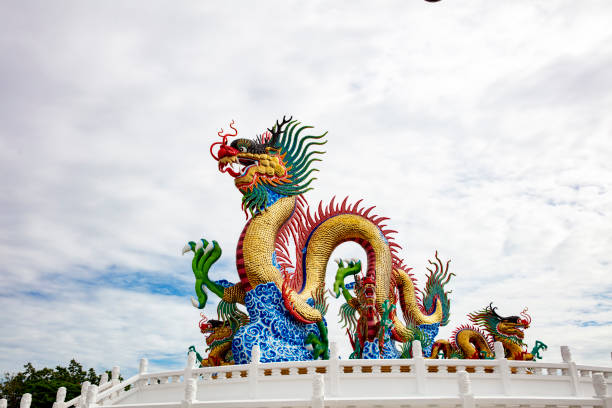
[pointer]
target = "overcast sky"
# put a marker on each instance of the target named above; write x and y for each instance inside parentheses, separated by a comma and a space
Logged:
(481, 128)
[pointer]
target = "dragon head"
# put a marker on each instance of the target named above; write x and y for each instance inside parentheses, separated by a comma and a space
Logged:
(275, 164)
(212, 329)
(365, 289)
(510, 328)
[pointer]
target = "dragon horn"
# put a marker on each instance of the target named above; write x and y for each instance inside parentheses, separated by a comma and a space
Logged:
(277, 130)
(492, 310)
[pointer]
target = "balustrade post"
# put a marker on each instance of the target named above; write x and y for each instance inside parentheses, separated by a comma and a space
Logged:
(143, 366)
(318, 391)
(92, 395)
(419, 366)
(26, 400)
(566, 355)
(115, 375)
(503, 367)
(465, 390)
(191, 390)
(601, 389)
(188, 373)
(83, 398)
(60, 398)
(114, 380)
(142, 370)
(103, 381)
(254, 371)
(3, 403)
(334, 368)
(191, 385)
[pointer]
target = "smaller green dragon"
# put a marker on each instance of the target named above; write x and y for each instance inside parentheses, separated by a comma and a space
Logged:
(476, 342)
(371, 324)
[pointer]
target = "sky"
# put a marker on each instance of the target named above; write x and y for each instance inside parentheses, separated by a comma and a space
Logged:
(482, 129)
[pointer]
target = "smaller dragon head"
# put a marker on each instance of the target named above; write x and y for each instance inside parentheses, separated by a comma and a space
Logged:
(210, 327)
(275, 164)
(510, 328)
(365, 289)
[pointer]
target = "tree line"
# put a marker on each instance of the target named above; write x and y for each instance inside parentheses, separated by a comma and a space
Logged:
(43, 383)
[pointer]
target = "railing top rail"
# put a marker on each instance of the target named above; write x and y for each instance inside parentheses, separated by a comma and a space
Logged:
(163, 374)
(538, 401)
(382, 362)
(594, 368)
(461, 363)
(72, 402)
(149, 404)
(536, 364)
(220, 369)
(296, 364)
(117, 387)
(104, 386)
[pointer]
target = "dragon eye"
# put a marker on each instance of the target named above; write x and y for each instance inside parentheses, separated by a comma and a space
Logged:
(243, 149)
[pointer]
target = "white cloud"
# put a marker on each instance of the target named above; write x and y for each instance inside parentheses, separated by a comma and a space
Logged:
(482, 132)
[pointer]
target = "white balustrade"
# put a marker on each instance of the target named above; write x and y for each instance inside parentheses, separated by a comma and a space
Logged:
(415, 382)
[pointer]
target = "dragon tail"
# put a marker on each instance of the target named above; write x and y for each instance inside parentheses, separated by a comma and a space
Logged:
(471, 341)
(434, 289)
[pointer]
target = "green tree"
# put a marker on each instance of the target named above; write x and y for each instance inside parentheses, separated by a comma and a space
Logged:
(43, 383)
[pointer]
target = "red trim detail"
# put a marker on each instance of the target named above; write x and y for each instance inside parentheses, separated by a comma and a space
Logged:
(286, 290)
(244, 281)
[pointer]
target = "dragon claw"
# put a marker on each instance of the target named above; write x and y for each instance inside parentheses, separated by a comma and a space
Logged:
(186, 249)
(199, 244)
(195, 303)
(209, 247)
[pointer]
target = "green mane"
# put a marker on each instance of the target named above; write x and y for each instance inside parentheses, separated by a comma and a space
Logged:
(294, 146)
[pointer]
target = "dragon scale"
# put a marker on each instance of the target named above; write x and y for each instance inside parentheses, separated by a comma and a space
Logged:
(258, 248)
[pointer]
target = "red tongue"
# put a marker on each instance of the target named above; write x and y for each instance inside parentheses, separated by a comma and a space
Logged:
(228, 169)
(232, 172)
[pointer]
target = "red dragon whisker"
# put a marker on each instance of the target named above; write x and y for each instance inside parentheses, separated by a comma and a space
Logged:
(526, 316)
(224, 137)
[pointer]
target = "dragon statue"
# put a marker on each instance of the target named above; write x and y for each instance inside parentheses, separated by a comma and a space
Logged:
(476, 342)
(219, 335)
(283, 250)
